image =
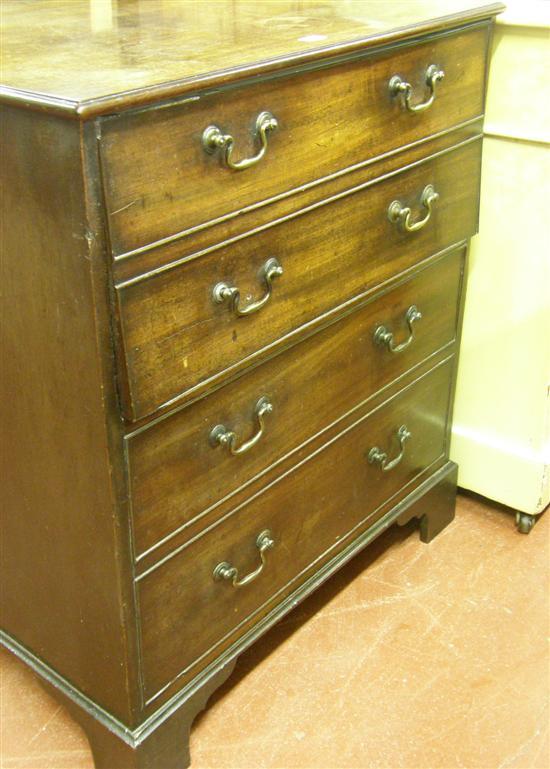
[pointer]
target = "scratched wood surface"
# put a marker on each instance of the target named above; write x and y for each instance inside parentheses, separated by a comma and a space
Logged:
(83, 57)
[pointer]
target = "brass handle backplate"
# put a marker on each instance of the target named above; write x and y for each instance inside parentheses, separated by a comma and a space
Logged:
(379, 457)
(384, 337)
(221, 436)
(399, 87)
(214, 140)
(402, 215)
(225, 570)
(223, 292)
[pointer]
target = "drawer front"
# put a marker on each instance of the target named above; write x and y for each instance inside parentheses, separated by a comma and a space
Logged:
(188, 616)
(178, 471)
(176, 337)
(159, 180)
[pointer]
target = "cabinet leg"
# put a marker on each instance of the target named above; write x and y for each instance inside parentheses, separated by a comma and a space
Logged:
(165, 746)
(435, 508)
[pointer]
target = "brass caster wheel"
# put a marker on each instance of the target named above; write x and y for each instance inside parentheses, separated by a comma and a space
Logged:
(524, 522)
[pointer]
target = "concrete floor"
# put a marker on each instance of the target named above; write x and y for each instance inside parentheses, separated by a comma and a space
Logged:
(415, 656)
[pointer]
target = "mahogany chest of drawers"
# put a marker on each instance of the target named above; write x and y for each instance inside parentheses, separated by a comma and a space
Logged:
(234, 245)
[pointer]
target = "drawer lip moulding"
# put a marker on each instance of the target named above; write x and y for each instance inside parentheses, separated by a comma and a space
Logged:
(314, 526)
(178, 478)
(177, 340)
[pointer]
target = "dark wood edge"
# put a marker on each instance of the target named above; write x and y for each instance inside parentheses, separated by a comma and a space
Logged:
(115, 103)
(119, 373)
(101, 278)
(18, 97)
(60, 683)
(488, 48)
(436, 509)
(460, 318)
(84, 710)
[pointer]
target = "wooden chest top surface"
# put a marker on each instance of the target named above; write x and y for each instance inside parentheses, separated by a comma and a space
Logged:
(86, 57)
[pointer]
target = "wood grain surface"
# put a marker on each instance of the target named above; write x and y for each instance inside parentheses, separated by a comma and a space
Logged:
(159, 180)
(247, 222)
(175, 472)
(117, 362)
(60, 591)
(184, 611)
(176, 339)
(81, 58)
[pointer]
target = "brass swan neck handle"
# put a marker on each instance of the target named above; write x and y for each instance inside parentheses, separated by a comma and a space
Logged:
(214, 140)
(223, 292)
(226, 571)
(384, 337)
(379, 457)
(402, 215)
(400, 87)
(221, 436)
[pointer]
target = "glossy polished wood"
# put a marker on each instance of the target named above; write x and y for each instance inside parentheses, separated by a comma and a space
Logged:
(156, 258)
(159, 180)
(139, 643)
(175, 337)
(184, 611)
(156, 49)
(176, 474)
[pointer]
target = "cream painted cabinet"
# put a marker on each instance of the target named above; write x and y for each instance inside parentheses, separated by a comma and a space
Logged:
(501, 433)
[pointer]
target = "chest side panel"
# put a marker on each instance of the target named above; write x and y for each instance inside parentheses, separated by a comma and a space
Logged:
(60, 581)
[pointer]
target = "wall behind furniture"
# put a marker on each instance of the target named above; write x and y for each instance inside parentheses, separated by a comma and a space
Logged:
(501, 434)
